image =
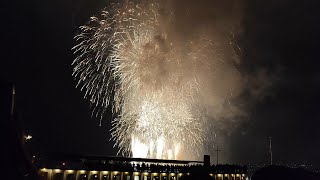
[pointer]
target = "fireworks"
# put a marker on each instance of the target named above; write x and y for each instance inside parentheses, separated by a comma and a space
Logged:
(130, 58)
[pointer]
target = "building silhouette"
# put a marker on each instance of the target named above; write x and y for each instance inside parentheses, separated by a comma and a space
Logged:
(68, 167)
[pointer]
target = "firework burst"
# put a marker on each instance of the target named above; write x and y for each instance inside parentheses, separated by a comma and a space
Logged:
(129, 58)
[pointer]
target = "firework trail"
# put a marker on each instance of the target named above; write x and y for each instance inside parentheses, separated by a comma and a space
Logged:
(130, 58)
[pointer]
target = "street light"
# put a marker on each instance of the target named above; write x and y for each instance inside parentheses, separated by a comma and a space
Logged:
(27, 137)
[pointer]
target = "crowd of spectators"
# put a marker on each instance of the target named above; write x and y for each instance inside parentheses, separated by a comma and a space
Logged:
(141, 166)
(171, 168)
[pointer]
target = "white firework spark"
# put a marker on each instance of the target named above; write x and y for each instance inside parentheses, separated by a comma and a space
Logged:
(128, 59)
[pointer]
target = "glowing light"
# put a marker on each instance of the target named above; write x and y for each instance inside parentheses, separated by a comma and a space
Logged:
(28, 137)
(170, 156)
(57, 170)
(176, 150)
(139, 149)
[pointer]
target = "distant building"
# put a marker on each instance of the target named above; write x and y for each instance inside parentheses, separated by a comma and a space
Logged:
(71, 167)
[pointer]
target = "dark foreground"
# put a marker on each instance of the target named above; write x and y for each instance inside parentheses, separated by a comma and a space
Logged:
(281, 172)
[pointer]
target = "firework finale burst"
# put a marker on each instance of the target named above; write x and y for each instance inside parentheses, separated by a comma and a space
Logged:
(131, 57)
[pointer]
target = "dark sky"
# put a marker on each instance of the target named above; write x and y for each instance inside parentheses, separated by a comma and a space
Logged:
(279, 35)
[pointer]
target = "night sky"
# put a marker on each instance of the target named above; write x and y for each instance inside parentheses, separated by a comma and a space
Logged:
(278, 35)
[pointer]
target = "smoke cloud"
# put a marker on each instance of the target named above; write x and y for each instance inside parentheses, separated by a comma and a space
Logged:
(175, 69)
(229, 91)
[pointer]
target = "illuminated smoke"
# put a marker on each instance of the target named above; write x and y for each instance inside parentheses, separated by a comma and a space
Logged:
(164, 85)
